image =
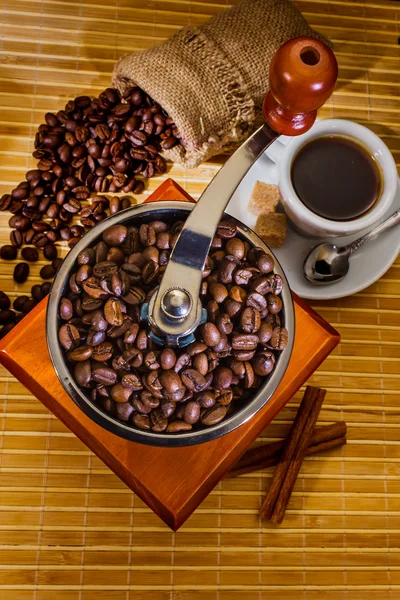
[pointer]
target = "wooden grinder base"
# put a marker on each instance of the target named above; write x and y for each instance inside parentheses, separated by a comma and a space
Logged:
(172, 481)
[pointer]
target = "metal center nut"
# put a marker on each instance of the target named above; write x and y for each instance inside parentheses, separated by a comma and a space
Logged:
(176, 303)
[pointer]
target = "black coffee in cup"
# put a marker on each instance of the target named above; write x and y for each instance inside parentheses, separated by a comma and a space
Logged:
(336, 178)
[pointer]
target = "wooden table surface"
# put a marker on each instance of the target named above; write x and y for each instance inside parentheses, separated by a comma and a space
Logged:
(69, 529)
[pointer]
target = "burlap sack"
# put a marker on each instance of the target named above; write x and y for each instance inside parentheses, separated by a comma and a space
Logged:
(211, 80)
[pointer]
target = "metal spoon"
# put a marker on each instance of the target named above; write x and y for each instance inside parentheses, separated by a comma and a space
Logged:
(328, 263)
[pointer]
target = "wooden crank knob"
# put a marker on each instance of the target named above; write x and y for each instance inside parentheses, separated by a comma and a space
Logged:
(302, 76)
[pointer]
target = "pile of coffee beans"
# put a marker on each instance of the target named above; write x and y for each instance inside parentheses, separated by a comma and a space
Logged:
(108, 144)
(170, 390)
(9, 317)
(31, 254)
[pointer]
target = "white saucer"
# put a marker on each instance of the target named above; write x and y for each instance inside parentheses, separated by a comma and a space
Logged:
(366, 266)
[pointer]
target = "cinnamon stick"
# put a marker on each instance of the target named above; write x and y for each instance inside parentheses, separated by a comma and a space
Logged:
(275, 503)
(268, 455)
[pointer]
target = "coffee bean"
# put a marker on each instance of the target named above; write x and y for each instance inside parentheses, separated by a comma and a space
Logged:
(7, 316)
(232, 308)
(39, 240)
(218, 292)
(196, 348)
(261, 285)
(30, 254)
(83, 273)
(177, 396)
(147, 235)
(167, 359)
(211, 334)
(66, 309)
(200, 363)
(102, 352)
(80, 354)
(105, 269)
(47, 272)
(264, 333)
(244, 341)
(140, 407)
(276, 284)
(86, 256)
(69, 336)
(279, 338)
(265, 263)
(250, 320)
(248, 375)
(115, 235)
(151, 361)
(206, 399)
(83, 373)
(150, 273)
(170, 380)
(168, 407)
(263, 363)
(214, 415)
(142, 340)
(150, 401)
(193, 380)
(16, 238)
(103, 374)
(92, 288)
(227, 229)
(177, 426)
(242, 276)
(159, 423)
(21, 272)
(28, 305)
(19, 302)
(225, 397)
(222, 378)
(115, 205)
(223, 347)
(4, 301)
(113, 313)
(257, 301)
(36, 293)
(141, 421)
(192, 412)
(20, 193)
(8, 252)
(45, 287)
(224, 324)
(169, 143)
(119, 393)
(132, 381)
(226, 270)
(235, 246)
(151, 253)
(50, 251)
(274, 304)
(124, 411)
(5, 201)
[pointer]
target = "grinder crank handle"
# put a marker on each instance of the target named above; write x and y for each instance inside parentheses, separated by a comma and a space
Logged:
(302, 76)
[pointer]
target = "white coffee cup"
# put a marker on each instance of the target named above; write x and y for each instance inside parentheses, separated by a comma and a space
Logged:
(303, 218)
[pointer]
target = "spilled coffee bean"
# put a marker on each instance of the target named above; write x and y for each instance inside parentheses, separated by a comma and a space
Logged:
(109, 144)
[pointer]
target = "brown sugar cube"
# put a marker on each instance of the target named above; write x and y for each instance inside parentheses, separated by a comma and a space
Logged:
(264, 198)
(272, 229)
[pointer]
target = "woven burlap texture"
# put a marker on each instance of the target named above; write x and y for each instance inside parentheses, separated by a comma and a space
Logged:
(211, 80)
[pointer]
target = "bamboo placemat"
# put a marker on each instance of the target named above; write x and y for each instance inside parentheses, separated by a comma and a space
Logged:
(68, 528)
